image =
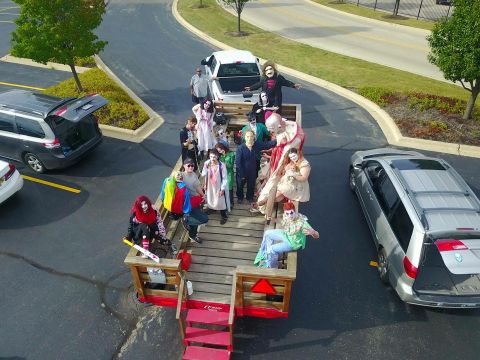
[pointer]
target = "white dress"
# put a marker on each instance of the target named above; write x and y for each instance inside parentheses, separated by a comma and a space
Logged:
(206, 140)
(216, 182)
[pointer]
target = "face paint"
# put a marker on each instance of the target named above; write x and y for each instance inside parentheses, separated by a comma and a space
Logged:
(178, 177)
(293, 156)
(213, 157)
(269, 71)
(206, 105)
(144, 206)
(289, 214)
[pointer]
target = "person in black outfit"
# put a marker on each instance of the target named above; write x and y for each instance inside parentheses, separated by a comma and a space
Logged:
(188, 142)
(261, 108)
(272, 82)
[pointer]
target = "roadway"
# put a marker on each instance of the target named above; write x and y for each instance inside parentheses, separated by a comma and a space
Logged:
(399, 47)
(62, 259)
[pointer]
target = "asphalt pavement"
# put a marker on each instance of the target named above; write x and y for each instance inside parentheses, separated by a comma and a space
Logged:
(69, 294)
(399, 47)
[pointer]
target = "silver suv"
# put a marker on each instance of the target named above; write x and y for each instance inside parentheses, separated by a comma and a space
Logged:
(425, 222)
(47, 132)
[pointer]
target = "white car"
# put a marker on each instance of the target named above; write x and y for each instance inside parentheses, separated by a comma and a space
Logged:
(234, 69)
(10, 180)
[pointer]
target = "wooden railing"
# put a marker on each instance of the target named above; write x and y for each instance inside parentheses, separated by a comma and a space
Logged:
(181, 294)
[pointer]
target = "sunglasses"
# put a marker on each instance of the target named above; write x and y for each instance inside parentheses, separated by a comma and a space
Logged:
(190, 165)
(198, 71)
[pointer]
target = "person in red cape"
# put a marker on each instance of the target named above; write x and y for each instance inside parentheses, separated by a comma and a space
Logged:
(146, 225)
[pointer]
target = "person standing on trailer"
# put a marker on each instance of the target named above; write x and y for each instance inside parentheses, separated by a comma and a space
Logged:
(228, 158)
(246, 163)
(216, 183)
(188, 142)
(204, 112)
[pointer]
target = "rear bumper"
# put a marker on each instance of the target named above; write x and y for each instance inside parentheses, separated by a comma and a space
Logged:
(407, 294)
(11, 186)
(54, 161)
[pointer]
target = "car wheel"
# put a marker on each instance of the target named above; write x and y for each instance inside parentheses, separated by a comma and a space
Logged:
(34, 162)
(351, 179)
(383, 266)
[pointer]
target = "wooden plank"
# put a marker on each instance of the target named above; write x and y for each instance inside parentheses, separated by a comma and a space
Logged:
(208, 260)
(263, 303)
(171, 280)
(247, 280)
(236, 225)
(240, 218)
(237, 232)
(292, 261)
(210, 297)
(265, 273)
(170, 264)
(230, 245)
(137, 281)
(210, 269)
(286, 296)
(206, 235)
(213, 278)
(225, 253)
(231, 314)
(162, 293)
(212, 288)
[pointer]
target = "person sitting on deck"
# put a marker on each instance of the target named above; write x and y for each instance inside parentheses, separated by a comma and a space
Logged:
(146, 225)
(175, 195)
(291, 238)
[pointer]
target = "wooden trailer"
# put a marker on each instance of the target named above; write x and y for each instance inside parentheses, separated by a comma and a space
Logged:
(226, 284)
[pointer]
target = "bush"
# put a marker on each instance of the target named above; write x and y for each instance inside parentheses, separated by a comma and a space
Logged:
(85, 62)
(121, 111)
(443, 104)
(379, 96)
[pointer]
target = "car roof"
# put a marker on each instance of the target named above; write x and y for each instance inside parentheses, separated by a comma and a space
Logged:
(232, 56)
(440, 196)
(29, 101)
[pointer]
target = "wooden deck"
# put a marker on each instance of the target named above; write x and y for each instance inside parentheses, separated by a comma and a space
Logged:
(222, 249)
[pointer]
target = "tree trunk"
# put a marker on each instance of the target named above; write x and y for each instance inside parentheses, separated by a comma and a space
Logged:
(75, 76)
(471, 102)
(238, 22)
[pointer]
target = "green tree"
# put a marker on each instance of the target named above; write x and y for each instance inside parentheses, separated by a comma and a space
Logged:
(58, 30)
(238, 6)
(455, 48)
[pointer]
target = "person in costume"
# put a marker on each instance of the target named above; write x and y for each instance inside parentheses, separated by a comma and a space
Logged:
(205, 113)
(246, 162)
(175, 195)
(145, 225)
(293, 183)
(228, 158)
(292, 237)
(222, 136)
(259, 130)
(262, 109)
(216, 183)
(196, 217)
(188, 142)
(289, 135)
(271, 83)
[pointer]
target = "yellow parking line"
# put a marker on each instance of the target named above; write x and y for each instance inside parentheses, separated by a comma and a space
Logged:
(21, 86)
(374, 263)
(48, 183)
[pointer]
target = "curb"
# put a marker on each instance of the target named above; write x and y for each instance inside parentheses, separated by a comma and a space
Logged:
(143, 131)
(49, 65)
(383, 119)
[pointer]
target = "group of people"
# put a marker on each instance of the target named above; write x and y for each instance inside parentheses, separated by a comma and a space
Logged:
(269, 162)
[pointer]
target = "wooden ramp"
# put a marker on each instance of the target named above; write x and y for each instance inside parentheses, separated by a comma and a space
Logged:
(223, 247)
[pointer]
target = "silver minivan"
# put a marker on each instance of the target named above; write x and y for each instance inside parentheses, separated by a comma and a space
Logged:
(425, 222)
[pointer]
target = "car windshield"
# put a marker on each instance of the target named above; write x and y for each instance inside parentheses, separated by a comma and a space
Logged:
(240, 69)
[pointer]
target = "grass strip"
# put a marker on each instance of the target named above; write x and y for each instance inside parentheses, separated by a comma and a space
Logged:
(121, 112)
(376, 14)
(345, 71)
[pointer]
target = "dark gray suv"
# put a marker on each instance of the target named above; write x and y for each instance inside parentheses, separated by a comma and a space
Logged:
(47, 132)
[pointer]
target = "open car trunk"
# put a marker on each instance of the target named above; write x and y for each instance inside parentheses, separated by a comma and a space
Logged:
(449, 267)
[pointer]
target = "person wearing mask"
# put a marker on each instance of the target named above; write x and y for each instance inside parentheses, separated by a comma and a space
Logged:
(228, 158)
(246, 163)
(216, 183)
(263, 109)
(145, 225)
(291, 237)
(293, 184)
(259, 129)
(205, 113)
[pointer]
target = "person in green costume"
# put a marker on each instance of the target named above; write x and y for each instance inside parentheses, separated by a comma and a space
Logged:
(228, 158)
(259, 129)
